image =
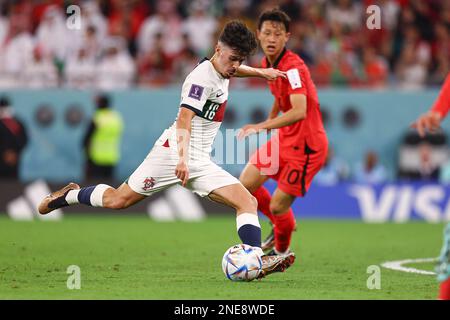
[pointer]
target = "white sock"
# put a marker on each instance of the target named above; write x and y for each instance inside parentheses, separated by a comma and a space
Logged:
(247, 218)
(72, 197)
(91, 196)
(97, 195)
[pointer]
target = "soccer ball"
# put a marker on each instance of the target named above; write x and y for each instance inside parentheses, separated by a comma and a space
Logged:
(242, 262)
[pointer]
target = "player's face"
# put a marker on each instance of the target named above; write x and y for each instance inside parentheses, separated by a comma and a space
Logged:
(228, 60)
(272, 37)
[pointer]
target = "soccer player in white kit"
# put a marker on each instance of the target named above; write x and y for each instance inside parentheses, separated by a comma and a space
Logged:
(182, 153)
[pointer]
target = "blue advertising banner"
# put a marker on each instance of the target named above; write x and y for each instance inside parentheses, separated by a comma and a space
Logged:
(396, 202)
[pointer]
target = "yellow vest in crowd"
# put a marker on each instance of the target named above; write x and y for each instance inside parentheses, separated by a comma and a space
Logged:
(104, 148)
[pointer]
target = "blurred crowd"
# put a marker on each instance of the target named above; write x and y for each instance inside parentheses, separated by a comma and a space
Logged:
(127, 43)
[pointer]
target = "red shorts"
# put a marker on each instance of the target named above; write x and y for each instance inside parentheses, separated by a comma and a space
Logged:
(294, 169)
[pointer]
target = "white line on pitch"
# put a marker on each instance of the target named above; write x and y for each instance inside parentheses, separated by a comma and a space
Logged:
(398, 265)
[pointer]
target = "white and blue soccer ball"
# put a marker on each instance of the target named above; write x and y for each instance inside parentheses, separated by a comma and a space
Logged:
(242, 262)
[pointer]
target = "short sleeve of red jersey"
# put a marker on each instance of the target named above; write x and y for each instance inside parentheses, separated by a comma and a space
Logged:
(296, 79)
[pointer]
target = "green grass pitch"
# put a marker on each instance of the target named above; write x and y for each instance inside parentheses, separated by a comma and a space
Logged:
(131, 257)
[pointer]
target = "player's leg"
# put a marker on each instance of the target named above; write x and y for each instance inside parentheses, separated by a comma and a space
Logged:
(249, 229)
(237, 197)
(265, 163)
(154, 174)
(284, 226)
(100, 195)
(222, 187)
(443, 267)
(253, 181)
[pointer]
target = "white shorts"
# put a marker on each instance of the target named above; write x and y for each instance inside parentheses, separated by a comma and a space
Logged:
(157, 172)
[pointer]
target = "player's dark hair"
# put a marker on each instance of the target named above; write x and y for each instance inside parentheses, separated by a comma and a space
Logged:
(275, 15)
(238, 37)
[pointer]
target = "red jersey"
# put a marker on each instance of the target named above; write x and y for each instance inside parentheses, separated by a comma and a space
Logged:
(308, 131)
(442, 104)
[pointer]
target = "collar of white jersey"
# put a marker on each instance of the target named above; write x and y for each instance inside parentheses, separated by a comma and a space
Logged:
(217, 72)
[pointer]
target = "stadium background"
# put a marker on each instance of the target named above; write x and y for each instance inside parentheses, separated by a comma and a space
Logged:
(372, 84)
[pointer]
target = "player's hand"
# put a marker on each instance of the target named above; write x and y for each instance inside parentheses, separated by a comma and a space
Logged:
(249, 129)
(272, 74)
(429, 121)
(182, 172)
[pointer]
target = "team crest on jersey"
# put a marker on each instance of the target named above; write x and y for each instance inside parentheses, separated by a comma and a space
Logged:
(196, 92)
(148, 183)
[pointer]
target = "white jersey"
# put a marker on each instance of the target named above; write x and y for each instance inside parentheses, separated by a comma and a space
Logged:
(205, 92)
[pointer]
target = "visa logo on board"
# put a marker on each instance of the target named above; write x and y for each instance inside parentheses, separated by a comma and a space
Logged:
(399, 203)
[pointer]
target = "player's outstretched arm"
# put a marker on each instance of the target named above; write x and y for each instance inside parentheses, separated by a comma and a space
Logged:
(296, 113)
(266, 73)
(431, 120)
(184, 128)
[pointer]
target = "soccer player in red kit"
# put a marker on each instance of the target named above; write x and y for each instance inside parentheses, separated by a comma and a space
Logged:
(431, 121)
(295, 155)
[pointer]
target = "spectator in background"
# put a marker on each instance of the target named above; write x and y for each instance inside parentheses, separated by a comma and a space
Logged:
(185, 62)
(375, 69)
(412, 37)
(80, 71)
(330, 36)
(371, 171)
(315, 37)
(322, 70)
(15, 51)
(53, 35)
(13, 138)
(102, 140)
(237, 10)
(200, 27)
(39, 72)
(411, 74)
(340, 52)
(165, 21)
(440, 48)
(155, 66)
(4, 25)
(126, 19)
(116, 68)
(93, 18)
(428, 170)
(333, 171)
(346, 13)
(389, 13)
(92, 43)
